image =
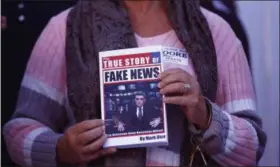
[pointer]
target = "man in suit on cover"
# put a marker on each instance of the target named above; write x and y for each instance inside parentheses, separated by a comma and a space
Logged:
(140, 116)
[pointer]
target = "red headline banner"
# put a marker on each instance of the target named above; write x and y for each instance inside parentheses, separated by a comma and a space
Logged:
(126, 60)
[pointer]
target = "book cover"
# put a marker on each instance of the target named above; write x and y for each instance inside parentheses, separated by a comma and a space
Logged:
(131, 103)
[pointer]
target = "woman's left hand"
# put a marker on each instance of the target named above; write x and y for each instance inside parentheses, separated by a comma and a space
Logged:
(180, 88)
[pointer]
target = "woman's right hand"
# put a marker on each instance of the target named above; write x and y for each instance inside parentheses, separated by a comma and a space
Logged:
(83, 143)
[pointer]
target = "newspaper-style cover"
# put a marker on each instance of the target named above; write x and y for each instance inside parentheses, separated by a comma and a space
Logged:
(132, 106)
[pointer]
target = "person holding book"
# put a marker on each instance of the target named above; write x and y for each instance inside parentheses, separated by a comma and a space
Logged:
(211, 106)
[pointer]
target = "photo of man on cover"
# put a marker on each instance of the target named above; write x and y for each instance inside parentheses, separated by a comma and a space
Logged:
(137, 107)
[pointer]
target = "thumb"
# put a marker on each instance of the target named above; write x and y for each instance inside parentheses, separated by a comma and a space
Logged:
(110, 150)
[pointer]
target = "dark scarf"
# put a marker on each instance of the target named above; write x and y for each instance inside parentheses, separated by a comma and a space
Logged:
(100, 25)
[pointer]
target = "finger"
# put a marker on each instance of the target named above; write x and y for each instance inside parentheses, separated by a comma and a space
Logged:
(88, 125)
(173, 78)
(91, 135)
(180, 100)
(173, 88)
(110, 150)
(95, 145)
(170, 71)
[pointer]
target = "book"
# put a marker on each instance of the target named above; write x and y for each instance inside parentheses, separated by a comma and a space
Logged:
(131, 104)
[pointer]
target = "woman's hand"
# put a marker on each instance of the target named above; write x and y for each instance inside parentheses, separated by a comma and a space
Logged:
(180, 88)
(83, 143)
